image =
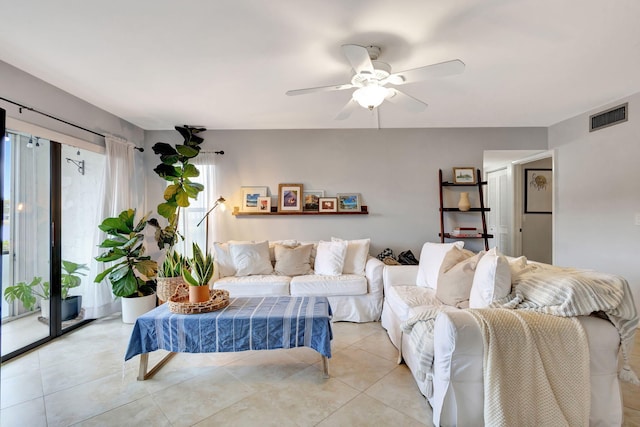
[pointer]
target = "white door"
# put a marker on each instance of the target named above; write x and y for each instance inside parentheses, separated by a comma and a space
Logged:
(498, 200)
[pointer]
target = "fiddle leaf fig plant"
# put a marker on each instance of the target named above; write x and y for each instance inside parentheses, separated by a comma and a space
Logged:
(133, 273)
(175, 167)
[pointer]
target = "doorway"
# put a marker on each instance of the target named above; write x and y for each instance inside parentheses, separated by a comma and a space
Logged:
(517, 232)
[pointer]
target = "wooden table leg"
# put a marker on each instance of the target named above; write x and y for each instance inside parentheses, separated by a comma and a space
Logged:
(325, 367)
(144, 362)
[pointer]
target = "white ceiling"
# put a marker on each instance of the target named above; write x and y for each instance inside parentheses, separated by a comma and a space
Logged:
(226, 64)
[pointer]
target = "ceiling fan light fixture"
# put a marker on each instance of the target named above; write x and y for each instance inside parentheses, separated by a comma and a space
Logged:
(370, 97)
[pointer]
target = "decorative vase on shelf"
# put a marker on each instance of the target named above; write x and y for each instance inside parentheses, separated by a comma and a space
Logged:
(464, 204)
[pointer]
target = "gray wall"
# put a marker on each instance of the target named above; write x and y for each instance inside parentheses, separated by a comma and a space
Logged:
(25, 89)
(597, 195)
(395, 170)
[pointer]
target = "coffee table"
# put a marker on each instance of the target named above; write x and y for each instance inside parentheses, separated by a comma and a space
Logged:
(263, 323)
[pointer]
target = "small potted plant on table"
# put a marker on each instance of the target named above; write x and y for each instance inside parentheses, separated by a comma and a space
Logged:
(198, 278)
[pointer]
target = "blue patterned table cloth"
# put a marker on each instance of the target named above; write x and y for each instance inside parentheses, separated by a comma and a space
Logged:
(245, 324)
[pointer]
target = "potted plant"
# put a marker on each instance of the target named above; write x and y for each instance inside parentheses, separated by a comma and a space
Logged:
(132, 275)
(170, 275)
(175, 167)
(27, 294)
(201, 266)
(70, 278)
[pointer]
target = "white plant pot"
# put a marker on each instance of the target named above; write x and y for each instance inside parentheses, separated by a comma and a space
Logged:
(132, 308)
(45, 308)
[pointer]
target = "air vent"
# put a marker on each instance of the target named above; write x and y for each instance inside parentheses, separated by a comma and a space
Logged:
(611, 117)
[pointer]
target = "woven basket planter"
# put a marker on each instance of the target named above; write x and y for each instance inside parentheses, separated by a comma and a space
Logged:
(167, 287)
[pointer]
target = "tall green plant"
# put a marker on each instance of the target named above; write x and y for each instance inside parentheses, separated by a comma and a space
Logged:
(126, 247)
(172, 265)
(176, 168)
(201, 266)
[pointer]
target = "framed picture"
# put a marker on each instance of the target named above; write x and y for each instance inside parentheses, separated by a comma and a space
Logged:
(311, 201)
(537, 191)
(290, 198)
(348, 202)
(264, 204)
(328, 204)
(250, 198)
(464, 175)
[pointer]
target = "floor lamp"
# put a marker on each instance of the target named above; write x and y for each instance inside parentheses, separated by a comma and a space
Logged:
(218, 202)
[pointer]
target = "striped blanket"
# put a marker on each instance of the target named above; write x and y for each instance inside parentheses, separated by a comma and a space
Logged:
(558, 291)
(569, 292)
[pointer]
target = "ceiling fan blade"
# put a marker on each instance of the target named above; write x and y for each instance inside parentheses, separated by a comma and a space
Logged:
(348, 108)
(319, 89)
(358, 57)
(441, 69)
(408, 102)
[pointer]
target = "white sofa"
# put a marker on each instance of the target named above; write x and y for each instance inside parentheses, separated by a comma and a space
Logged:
(340, 270)
(456, 389)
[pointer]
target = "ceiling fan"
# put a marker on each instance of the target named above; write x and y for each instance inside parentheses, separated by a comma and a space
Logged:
(371, 77)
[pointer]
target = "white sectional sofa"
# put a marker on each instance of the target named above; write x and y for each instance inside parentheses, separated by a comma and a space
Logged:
(456, 387)
(340, 270)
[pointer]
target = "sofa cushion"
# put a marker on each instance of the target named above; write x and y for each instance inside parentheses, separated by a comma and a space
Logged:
(258, 285)
(356, 256)
(330, 258)
(491, 281)
(251, 258)
(402, 298)
(292, 261)
(272, 247)
(431, 258)
(318, 285)
(223, 259)
(456, 277)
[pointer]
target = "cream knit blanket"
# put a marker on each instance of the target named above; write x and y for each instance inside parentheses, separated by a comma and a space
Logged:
(527, 380)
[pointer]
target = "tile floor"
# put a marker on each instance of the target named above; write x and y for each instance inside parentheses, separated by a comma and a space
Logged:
(81, 380)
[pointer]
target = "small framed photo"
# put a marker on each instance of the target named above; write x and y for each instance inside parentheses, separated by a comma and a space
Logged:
(348, 202)
(290, 198)
(328, 204)
(312, 200)
(264, 204)
(250, 198)
(464, 175)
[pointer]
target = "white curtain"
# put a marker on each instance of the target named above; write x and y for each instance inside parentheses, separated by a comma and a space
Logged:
(119, 191)
(205, 233)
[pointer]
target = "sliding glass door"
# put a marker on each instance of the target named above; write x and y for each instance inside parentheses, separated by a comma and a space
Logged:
(49, 220)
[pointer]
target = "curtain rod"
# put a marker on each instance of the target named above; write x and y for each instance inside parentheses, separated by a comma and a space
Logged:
(21, 106)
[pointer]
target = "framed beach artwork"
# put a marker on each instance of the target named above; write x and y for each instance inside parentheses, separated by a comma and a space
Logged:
(328, 204)
(290, 198)
(264, 204)
(348, 202)
(311, 200)
(537, 191)
(250, 198)
(464, 175)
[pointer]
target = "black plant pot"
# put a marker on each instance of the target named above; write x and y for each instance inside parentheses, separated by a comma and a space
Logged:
(71, 307)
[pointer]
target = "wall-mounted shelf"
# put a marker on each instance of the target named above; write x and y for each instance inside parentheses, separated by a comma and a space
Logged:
(363, 211)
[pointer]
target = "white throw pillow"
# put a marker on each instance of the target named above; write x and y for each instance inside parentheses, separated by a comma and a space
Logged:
(330, 258)
(356, 257)
(292, 260)
(491, 281)
(273, 243)
(251, 258)
(431, 258)
(222, 257)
